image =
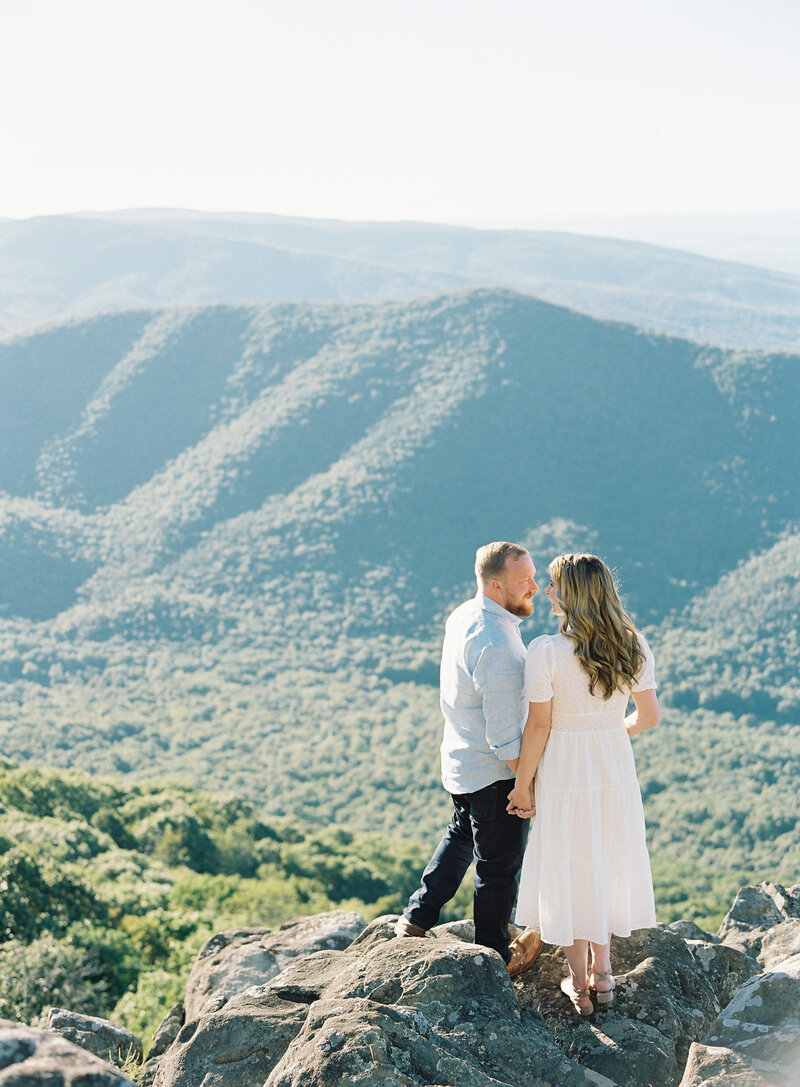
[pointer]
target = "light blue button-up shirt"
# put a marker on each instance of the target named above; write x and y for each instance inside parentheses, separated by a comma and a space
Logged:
(483, 664)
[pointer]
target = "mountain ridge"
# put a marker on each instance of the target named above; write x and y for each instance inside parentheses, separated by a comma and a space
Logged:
(347, 336)
(667, 290)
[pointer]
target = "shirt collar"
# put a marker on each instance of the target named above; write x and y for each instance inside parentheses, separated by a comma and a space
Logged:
(488, 604)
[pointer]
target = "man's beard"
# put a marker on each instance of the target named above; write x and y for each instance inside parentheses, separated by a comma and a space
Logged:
(523, 608)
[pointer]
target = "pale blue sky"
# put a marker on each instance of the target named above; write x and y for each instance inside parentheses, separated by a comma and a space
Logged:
(390, 109)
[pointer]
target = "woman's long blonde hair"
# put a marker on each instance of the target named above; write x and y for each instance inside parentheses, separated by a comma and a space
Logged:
(606, 643)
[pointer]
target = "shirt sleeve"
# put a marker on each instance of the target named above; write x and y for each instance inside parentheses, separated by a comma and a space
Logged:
(646, 679)
(538, 684)
(498, 680)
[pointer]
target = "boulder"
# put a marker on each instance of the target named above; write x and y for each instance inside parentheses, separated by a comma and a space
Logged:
(727, 968)
(385, 1010)
(378, 1045)
(761, 1026)
(716, 1066)
(690, 931)
(663, 1001)
(462, 930)
(236, 1046)
(231, 962)
(755, 911)
(38, 1058)
(412, 1011)
(779, 943)
(99, 1036)
(353, 1003)
(166, 1033)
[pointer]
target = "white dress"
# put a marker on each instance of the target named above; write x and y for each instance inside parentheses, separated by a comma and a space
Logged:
(586, 871)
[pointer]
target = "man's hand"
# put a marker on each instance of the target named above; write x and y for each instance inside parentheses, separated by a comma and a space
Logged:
(521, 802)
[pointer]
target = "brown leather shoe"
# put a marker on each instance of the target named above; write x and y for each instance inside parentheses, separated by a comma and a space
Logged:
(524, 952)
(405, 928)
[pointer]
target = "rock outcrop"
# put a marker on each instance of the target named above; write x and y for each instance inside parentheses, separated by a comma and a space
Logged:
(166, 1033)
(38, 1058)
(726, 968)
(236, 1046)
(756, 913)
(756, 1038)
(328, 1001)
(383, 1011)
(106, 1040)
(231, 962)
(664, 1000)
(780, 943)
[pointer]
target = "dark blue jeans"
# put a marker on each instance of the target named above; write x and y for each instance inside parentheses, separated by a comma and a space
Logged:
(483, 831)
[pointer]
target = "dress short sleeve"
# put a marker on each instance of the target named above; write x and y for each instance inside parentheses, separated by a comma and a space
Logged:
(646, 679)
(538, 685)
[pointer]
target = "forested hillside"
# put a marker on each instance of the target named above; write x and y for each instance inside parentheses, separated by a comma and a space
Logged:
(79, 265)
(229, 537)
(108, 893)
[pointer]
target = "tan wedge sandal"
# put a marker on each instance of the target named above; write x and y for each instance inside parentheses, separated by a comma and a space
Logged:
(604, 996)
(575, 995)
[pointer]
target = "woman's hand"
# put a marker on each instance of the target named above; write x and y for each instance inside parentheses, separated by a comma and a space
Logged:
(521, 802)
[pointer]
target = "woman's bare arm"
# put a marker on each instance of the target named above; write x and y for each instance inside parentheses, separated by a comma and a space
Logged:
(534, 739)
(646, 713)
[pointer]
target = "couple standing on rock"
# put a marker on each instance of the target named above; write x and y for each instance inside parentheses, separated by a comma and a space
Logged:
(543, 732)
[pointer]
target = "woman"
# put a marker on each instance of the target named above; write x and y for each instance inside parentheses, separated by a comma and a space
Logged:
(586, 872)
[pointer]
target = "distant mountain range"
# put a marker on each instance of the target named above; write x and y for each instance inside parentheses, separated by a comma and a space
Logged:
(229, 536)
(769, 239)
(79, 265)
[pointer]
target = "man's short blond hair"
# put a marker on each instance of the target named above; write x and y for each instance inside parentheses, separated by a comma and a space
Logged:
(491, 559)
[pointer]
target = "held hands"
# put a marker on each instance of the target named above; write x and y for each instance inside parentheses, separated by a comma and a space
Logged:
(521, 802)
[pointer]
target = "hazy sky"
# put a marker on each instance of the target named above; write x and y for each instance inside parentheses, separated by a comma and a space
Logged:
(452, 110)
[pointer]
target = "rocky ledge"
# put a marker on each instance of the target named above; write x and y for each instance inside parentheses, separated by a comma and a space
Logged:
(329, 1000)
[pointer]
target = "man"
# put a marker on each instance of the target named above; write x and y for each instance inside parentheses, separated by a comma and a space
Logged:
(483, 659)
